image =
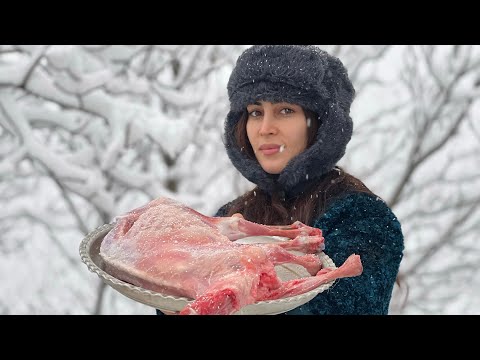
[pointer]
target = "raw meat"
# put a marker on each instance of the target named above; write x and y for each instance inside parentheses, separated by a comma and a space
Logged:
(170, 248)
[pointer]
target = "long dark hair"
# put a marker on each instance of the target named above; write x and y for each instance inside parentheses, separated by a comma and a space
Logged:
(258, 206)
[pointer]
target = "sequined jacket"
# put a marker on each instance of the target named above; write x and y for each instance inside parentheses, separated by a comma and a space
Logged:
(363, 224)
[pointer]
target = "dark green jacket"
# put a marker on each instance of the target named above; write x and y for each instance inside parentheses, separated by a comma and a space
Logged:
(363, 224)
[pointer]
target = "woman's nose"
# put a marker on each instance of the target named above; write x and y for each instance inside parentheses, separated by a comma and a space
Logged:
(267, 126)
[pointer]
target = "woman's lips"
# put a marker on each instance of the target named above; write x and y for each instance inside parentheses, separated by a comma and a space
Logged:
(269, 149)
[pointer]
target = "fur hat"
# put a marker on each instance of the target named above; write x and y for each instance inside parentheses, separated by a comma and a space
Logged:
(304, 75)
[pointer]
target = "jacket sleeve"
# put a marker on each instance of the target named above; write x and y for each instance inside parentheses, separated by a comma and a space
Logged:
(362, 224)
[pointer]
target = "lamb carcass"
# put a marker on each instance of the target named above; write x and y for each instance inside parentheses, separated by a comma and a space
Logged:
(167, 247)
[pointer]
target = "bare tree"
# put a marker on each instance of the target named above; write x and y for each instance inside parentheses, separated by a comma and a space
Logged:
(422, 147)
(440, 175)
(90, 131)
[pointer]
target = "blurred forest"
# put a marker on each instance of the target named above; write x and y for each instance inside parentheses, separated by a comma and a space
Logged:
(88, 132)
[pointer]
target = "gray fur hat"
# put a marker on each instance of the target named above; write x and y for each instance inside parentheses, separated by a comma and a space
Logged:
(304, 75)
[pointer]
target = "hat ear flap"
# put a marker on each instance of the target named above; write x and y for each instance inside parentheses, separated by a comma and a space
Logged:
(338, 84)
(333, 135)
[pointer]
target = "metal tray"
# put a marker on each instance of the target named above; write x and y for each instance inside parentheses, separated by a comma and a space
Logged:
(89, 253)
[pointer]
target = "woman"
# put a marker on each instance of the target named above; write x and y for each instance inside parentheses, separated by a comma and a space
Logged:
(287, 128)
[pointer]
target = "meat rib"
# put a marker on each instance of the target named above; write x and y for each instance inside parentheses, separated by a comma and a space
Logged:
(170, 248)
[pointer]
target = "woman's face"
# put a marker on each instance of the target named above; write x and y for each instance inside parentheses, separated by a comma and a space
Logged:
(277, 133)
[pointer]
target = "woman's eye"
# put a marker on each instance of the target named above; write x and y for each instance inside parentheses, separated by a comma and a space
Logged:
(254, 113)
(286, 111)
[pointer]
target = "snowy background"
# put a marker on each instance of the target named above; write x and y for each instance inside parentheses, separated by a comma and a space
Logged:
(89, 132)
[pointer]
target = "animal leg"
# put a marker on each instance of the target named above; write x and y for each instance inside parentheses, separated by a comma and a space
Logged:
(351, 267)
(236, 228)
(305, 244)
(221, 302)
(278, 255)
